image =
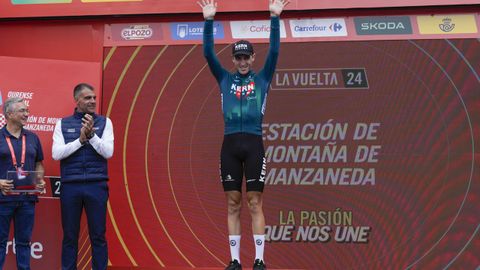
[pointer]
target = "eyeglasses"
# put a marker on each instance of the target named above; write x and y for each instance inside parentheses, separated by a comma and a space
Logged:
(23, 111)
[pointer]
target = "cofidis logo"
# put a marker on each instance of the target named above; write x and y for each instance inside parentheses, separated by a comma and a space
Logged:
(318, 28)
(194, 30)
(254, 29)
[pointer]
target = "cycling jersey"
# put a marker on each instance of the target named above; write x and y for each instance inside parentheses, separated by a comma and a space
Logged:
(243, 96)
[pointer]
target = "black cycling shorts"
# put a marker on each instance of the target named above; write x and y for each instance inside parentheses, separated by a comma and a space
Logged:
(243, 154)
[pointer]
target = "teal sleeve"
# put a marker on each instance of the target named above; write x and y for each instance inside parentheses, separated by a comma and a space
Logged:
(271, 62)
(215, 67)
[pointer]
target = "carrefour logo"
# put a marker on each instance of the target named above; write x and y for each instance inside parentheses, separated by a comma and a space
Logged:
(310, 28)
(193, 30)
(385, 25)
(336, 27)
(318, 27)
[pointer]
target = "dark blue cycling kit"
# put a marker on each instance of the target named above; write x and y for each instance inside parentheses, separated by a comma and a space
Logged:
(243, 96)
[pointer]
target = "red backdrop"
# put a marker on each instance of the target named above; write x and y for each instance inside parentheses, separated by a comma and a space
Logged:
(420, 101)
(411, 202)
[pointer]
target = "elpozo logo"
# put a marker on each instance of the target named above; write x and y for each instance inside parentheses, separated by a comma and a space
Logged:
(137, 32)
(384, 25)
(447, 24)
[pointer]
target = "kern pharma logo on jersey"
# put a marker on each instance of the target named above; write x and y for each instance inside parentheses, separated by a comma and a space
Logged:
(194, 30)
(303, 28)
(254, 29)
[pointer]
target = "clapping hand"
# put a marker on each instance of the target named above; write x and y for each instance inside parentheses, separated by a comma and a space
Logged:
(87, 128)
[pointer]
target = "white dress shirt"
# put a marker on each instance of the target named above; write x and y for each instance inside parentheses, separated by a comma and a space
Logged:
(103, 145)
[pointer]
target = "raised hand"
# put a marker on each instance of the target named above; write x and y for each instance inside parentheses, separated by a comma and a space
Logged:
(276, 6)
(209, 8)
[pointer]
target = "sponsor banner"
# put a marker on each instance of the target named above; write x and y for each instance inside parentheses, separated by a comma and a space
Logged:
(48, 8)
(136, 32)
(340, 162)
(318, 28)
(385, 25)
(254, 29)
(360, 28)
(194, 30)
(447, 24)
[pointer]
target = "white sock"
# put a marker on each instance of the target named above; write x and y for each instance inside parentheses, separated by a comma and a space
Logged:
(259, 245)
(235, 247)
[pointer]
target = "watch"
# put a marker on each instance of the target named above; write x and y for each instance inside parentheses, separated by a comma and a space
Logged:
(89, 136)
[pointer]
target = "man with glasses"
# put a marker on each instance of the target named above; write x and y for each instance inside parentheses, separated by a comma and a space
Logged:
(20, 152)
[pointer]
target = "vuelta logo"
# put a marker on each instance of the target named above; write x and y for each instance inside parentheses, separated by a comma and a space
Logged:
(242, 90)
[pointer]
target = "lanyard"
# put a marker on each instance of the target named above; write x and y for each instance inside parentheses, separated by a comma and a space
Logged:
(12, 152)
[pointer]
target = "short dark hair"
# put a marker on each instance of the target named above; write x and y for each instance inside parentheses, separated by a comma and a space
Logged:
(79, 87)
